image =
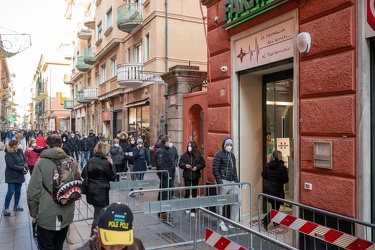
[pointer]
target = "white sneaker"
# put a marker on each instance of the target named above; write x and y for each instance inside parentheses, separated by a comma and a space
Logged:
(187, 211)
(223, 227)
(230, 226)
(192, 215)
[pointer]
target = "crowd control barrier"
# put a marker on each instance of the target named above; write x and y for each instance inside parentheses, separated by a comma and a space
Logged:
(317, 228)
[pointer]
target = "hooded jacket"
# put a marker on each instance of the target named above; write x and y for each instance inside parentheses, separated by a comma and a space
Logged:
(15, 164)
(117, 154)
(141, 159)
(100, 172)
(224, 165)
(92, 244)
(49, 215)
(123, 138)
(188, 158)
(163, 158)
(275, 175)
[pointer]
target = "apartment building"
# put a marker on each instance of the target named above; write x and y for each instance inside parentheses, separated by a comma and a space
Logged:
(5, 93)
(120, 51)
(48, 95)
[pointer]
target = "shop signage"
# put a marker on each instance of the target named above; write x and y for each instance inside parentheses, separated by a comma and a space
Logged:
(370, 24)
(239, 11)
(283, 145)
(105, 116)
(267, 46)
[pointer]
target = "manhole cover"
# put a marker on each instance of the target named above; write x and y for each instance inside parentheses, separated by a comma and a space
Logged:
(171, 237)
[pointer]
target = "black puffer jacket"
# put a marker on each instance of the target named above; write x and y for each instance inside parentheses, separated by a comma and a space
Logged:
(100, 173)
(15, 164)
(275, 175)
(224, 165)
(188, 158)
(163, 159)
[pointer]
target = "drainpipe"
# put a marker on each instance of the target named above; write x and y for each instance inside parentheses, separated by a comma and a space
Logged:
(166, 64)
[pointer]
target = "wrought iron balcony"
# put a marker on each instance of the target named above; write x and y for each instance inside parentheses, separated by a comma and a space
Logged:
(83, 33)
(130, 74)
(68, 79)
(90, 93)
(81, 65)
(129, 16)
(89, 56)
(89, 19)
(68, 104)
(81, 97)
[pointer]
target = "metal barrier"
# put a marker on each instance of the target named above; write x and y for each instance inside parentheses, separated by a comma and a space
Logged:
(242, 235)
(177, 228)
(317, 228)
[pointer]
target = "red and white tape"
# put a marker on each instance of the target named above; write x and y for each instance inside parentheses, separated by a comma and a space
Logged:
(332, 236)
(220, 242)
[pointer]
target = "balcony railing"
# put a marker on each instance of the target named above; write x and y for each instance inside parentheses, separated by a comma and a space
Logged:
(81, 97)
(68, 79)
(81, 65)
(68, 104)
(90, 93)
(130, 74)
(89, 56)
(133, 75)
(129, 16)
(83, 33)
(89, 19)
(67, 55)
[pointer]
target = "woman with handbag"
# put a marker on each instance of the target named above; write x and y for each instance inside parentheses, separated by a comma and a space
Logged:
(15, 171)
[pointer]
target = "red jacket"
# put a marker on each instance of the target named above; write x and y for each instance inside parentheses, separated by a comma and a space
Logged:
(40, 141)
(31, 156)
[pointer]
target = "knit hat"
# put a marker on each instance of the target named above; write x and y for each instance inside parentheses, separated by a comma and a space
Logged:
(139, 141)
(228, 141)
(115, 224)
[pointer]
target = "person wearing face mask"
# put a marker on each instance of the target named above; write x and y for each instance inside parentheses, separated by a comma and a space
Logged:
(31, 155)
(84, 146)
(117, 156)
(94, 140)
(225, 172)
(192, 162)
(73, 145)
(141, 161)
(64, 138)
(164, 162)
(128, 155)
(174, 157)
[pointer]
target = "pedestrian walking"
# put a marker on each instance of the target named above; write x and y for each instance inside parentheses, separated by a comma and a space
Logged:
(225, 172)
(275, 175)
(84, 146)
(40, 140)
(52, 219)
(73, 146)
(117, 156)
(94, 140)
(129, 155)
(174, 158)
(15, 171)
(31, 155)
(192, 162)
(100, 171)
(141, 162)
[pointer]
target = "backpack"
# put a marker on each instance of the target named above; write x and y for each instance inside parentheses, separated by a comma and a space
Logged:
(65, 187)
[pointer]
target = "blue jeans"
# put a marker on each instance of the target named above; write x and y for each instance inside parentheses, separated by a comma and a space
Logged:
(16, 189)
(83, 155)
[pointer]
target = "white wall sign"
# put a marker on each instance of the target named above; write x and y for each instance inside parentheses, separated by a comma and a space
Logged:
(267, 46)
(283, 145)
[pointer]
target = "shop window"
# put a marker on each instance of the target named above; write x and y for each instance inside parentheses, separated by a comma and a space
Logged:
(139, 122)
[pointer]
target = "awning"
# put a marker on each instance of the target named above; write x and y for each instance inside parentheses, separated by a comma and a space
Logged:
(138, 102)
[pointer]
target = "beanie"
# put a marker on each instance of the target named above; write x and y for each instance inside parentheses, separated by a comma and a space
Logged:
(228, 141)
(139, 141)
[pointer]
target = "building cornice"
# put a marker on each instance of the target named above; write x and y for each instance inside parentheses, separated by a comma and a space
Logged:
(209, 3)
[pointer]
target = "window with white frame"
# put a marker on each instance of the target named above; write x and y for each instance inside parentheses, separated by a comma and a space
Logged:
(109, 19)
(102, 73)
(148, 56)
(138, 53)
(97, 80)
(113, 67)
(99, 29)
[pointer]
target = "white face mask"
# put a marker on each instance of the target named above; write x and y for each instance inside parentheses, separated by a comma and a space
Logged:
(85, 137)
(132, 142)
(20, 146)
(140, 145)
(228, 148)
(72, 136)
(170, 144)
(123, 137)
(116, 145)
(190, 149)
(34, 144)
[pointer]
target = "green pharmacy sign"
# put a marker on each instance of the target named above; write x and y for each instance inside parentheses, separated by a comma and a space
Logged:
(239, 11)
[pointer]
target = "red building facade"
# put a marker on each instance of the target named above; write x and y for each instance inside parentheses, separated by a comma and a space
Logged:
(316, 101)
